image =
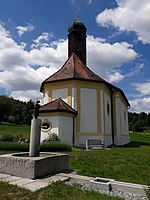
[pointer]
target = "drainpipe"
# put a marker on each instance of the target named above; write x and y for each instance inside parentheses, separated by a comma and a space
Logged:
(73, 136)
(112, 118)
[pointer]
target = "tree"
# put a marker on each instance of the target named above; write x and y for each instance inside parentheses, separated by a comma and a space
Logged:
(28, 107)
(6, 107)
(137, 127)
(15, 111)
(139, 121)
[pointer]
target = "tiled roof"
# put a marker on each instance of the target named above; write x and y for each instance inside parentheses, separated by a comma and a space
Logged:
(73, 69)
(57, 105)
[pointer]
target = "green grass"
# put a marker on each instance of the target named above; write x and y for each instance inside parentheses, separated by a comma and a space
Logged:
(55, 191)
(12, 129)
(140, 137)
(129, 164)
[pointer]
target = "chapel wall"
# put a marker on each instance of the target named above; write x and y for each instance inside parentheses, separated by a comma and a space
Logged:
(60, 93)
(107, 115)
(88, 110)
(61, 125)
(54, 120)
(121, 121)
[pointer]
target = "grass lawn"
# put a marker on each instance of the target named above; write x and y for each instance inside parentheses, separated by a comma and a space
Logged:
(55, 191)
(12, 129)
(130, 163)
(140, 137)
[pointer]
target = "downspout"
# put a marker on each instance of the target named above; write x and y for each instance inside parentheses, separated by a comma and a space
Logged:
(73, 136)
(112, 118)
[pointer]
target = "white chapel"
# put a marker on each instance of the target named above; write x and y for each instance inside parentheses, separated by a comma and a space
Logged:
(78, 104)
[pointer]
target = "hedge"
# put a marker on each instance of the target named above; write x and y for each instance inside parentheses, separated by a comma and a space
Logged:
(24, 147)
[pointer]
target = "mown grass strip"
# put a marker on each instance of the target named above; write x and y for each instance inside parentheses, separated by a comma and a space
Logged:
(13, 129)
(55, 191)
(140, 137)
(129, 163)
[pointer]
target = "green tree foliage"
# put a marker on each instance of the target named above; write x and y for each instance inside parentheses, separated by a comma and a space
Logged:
(139, 121)
(6, 107)
(15, 111)
(28, 107)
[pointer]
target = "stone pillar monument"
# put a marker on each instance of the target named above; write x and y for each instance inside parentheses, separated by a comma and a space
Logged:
(35, 133)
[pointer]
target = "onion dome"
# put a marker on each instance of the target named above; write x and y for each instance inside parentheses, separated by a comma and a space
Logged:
(77, 25)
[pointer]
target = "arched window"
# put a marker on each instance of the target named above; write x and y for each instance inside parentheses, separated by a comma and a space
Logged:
(108, 108)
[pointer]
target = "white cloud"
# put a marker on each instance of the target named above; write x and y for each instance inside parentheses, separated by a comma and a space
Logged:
(142, 88)
(104, 56)
(135, 70)
(40, 41)
(140, 105)
(22, 71)
(89, 2)
(3, 31)
(17, 72)
(49, 56)
(23, 29)
(130, 15)
(42, 37)
(26, 95)
(115, 77)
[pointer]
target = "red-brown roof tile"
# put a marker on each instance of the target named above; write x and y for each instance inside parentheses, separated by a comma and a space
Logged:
(57, 105)
(73, 69)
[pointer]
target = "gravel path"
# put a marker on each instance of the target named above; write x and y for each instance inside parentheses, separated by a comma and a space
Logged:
(126, 196)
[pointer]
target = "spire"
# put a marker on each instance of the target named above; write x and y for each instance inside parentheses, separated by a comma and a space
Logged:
(77, 40)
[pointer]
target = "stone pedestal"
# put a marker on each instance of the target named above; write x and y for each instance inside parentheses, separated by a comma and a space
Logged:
(20, 164)
(35, 137)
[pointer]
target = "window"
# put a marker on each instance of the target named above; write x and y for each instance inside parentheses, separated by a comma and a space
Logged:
(46, 126)
(108, 108)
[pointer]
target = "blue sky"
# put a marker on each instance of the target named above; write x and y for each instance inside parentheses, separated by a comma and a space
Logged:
(33, 44)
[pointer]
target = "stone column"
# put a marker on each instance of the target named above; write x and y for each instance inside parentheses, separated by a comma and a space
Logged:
(35, 134)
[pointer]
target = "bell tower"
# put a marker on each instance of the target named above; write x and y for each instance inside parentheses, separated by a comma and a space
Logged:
(77, 40)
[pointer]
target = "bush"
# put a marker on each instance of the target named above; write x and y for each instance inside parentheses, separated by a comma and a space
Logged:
(54, 137)
(55, 147)
(20, 138)
(51, 137)
(7, 138)
(148, 192)
(25, 147)
(14, 147)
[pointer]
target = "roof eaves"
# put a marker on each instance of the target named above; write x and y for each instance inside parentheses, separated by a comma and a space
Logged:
(59, 110)
(46, 80)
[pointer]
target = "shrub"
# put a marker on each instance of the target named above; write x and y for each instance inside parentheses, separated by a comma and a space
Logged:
(148, 192)
(43, 148)
(14, 147)
(55, 147)
(7, 138)
(20, 138)
(51, 137)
